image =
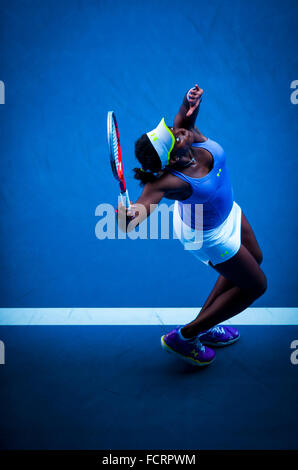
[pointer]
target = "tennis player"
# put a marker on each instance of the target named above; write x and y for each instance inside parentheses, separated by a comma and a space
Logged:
(181, 164)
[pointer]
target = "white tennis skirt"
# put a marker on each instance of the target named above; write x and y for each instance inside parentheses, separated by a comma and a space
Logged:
(216, 245)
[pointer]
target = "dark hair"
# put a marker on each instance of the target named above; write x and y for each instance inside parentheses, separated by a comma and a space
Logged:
(149, 160)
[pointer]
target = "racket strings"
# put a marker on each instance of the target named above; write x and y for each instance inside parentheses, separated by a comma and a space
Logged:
(115, 150)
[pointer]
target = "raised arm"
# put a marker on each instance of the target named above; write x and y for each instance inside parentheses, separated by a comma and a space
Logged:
(189, 109)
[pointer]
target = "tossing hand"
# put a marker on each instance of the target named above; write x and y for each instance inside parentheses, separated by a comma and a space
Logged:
(194, 97)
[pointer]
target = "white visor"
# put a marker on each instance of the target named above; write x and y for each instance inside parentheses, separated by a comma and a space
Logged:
(163, 141)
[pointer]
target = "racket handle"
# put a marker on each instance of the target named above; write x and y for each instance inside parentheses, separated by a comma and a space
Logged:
(125, 199)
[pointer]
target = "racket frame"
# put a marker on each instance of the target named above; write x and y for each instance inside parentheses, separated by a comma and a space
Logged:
(116, 162)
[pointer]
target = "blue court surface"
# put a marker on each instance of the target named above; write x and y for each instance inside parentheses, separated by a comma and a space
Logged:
(81, 317)
(113, 387)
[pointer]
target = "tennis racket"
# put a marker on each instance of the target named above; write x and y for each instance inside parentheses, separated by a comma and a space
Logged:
(116, 157)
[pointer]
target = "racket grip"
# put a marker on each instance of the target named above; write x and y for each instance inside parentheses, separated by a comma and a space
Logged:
(125, 199)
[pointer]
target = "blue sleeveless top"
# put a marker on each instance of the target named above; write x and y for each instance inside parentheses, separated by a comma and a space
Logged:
(214, 191)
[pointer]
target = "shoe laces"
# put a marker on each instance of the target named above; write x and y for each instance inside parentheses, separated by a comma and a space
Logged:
(217, 330)
(197, 343)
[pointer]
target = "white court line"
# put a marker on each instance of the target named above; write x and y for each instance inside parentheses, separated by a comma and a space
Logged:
(138, 316)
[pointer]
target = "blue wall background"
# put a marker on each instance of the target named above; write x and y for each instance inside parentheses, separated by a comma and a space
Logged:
(65, 64)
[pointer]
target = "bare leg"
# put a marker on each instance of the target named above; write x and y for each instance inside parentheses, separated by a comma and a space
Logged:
(221, 286)
(248, 239)
(249, 283)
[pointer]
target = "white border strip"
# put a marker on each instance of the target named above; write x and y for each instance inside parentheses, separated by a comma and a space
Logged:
(138, 316)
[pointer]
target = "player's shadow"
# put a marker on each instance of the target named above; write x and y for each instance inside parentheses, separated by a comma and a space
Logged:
(172, 367)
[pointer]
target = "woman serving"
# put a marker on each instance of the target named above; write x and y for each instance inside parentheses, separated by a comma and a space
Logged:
(181, 164)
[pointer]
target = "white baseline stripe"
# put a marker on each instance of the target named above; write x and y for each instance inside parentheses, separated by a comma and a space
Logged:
(138, 316)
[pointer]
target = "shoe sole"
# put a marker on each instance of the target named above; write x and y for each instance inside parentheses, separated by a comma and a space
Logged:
(191, 361)
(220, 345)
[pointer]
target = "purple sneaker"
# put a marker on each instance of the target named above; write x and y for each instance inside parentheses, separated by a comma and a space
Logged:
(219, 336)
(191, 350)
